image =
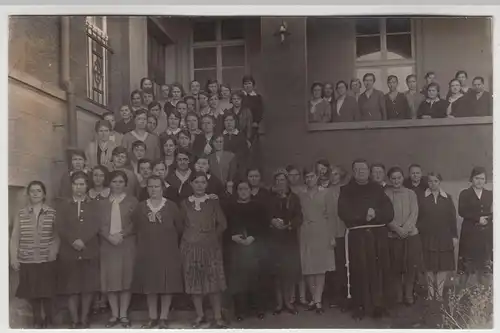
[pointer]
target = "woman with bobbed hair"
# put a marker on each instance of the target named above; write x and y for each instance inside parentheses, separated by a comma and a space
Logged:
(433, 106)
(320, 110)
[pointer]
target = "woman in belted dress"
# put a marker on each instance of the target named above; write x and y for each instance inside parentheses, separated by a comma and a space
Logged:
(117, 248)
(159, 226)
(201, 249)
(475, 205)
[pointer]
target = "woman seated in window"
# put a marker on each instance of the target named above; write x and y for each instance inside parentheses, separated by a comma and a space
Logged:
(319, 109)
(355, 88)
(433, 106)
(395, 102)
(345, 108)
(481, 100)
(413, 97)
(372, 101)
(458, 102)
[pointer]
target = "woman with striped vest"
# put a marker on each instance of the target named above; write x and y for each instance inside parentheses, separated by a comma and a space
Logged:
(33, 250)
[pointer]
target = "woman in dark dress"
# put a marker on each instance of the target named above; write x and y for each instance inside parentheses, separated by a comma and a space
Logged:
(118, 243)
(345, 107)
(459, 105)
(158, 268)
(475, 205)
(437, 224)
(179, 177)
(416, 181)
(433, 106)
(235, 141)
(78, 222)
(247, 229)
(201, 249)
(214, 184)
(396, 104)
(76, 162)
(36, 264)
(284, 250)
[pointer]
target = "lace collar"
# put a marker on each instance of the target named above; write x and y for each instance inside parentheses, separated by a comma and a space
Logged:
(234, 132)
(441, 193)
(198, 200)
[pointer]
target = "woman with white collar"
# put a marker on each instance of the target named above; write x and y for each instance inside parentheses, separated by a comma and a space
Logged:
(437, 224)
(433, 106)
(201, 249)
(178, 177)
(159, 225)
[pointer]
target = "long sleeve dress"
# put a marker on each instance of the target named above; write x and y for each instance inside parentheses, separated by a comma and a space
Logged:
(158, 267)
(368, 248)
(117, 261)
(284, 246)
(437, 224)
(317, 254)
(201, 245)
(476, 241)
(245, 262)
(78, 271)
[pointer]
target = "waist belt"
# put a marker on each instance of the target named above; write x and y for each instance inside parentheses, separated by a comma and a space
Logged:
(347, 251)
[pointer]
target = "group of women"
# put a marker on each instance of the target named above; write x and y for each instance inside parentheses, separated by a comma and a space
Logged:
(343, 102)
(183, 211)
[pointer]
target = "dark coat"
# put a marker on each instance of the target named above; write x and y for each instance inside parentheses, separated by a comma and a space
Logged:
(397, 108)
(349, 110)
(436, 110)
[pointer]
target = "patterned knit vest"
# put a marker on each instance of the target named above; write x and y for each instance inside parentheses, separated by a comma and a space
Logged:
(35, 239)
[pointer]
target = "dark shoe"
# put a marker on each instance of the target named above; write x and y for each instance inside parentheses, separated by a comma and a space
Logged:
(163, 324)
(199, 322)
(277, 311)
(319, 309)
(358, 313)
(219, 324)
(291, 310)
(261, 315)
(112, 322)
(152, 323)
(125, 322)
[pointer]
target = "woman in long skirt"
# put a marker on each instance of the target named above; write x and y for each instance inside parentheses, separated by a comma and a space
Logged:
(475, 205)
(404, 240)
(201, 249)
(437, 224)
(78, 222)
(247, 230)
(118, 249)
(284, 249)
(158, 268)
(33, 250)
(316, 237)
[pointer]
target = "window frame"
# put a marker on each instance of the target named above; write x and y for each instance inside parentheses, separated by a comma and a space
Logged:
(91, 24)
(218, 44)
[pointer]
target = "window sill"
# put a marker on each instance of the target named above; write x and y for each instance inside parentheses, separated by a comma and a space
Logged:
(407, 123)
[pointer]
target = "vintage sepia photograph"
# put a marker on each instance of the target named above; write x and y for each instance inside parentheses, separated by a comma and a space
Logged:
(250, 172)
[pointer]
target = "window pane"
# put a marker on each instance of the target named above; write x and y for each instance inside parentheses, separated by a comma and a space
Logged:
(378, 77)
(367, 26)
(232, 29)
(401, 72)
(398, 25)
(368, 48)
(399, 47)
(205, 57)
(233, 55)
(233, 76)
(204, 31)
(203, 75)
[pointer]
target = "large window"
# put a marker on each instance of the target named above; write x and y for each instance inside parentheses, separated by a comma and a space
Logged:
(218, 51)
(98, 52)
(385, 46)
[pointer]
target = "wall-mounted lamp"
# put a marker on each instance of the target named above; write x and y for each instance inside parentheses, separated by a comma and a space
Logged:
(282, 31)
